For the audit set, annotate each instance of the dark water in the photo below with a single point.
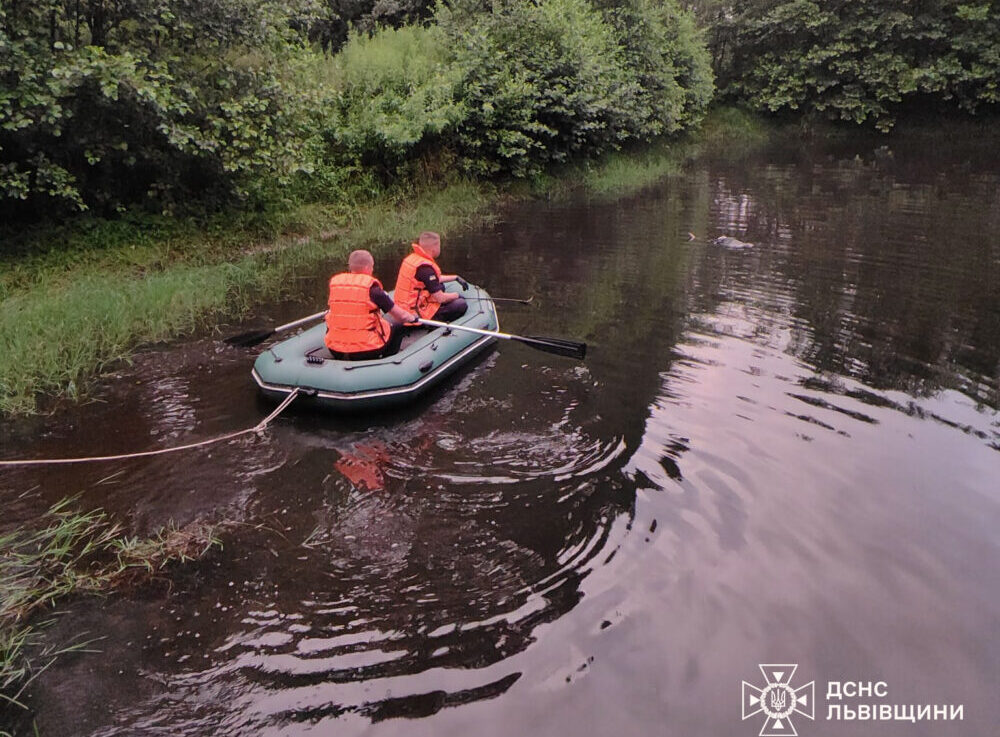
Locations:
(783, 454)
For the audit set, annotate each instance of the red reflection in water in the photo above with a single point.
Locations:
(363, 466)
(365, 463)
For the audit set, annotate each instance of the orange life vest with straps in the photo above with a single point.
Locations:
(354, 323)
(411, 294)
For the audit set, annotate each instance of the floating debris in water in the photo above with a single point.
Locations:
(732, 243)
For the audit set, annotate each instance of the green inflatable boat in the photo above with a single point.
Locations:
(425, 360)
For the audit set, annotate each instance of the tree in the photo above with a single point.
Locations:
(859, 61)
(103, 105)
(334, 24)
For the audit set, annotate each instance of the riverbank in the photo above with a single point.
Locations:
(101, 290)
(67, 314)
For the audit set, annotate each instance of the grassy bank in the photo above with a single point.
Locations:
(71, 553)
(729, 131)
(100, 291)
(67, 313)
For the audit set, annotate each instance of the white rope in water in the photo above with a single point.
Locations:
(145, 453)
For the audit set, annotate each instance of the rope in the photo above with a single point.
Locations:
(145, 453)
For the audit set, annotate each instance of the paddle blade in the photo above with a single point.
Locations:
(252, 338)
(558, 346)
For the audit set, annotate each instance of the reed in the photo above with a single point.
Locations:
(73, 552)
(732, 129)
(624, 173)
(724, 130)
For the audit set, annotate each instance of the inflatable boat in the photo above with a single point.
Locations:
(426, 358)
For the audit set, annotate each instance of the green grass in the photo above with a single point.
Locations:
(73, 552)
(53, 337)
(731, 128)
(617, 174)
(624, 173)
(66, 316)
(75, 300)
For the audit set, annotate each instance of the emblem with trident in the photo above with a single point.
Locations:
(778, 700)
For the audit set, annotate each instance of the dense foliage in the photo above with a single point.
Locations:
(105, 104)
(396, 96)
(164, 103)
(337, 18)
(668, 56)
(513, 87)
(539, 83)
(858, 61)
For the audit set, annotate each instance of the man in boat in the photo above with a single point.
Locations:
(420, 284)
(355, 327)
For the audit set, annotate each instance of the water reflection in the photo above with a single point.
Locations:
(892, 281)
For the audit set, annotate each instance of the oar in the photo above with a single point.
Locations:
(527, 301)
(259, 336)
(558, 346)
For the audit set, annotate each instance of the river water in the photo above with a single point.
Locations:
(781, 454)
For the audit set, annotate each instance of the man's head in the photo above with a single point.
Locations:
(430, 242)
(360, 262)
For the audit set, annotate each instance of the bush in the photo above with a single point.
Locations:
(396, 97)
(860, 62)
(540, 82)
(155, 101)
(172, 104)
(332, 28)
(667, 55)
(516, 86)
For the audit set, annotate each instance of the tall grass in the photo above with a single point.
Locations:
(733, 128)
(52, 337)
(67, 320)
(625, 172)
(73, 552)
(141, 244)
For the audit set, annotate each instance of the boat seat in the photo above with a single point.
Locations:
(410, 338)
(323, 353)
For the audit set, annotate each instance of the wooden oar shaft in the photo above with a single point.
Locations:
(558, 346)
(502, 299)
(439, 324)
(296, 323)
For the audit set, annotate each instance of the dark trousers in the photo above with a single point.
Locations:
(396, 332)
(451, 310)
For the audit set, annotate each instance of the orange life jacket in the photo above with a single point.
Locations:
(411, 293)
(354, 323)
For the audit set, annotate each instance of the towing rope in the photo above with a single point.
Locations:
(142, 454)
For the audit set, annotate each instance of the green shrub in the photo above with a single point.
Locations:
(171, 105)
(540, 82)
(860, 61)
(332, 28)
(395, 97)
(667, 55)
(145, 102)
